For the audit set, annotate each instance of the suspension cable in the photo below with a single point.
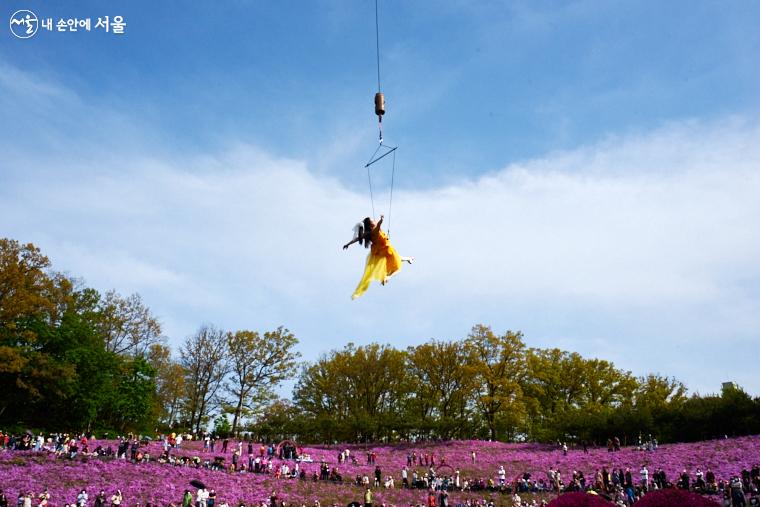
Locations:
(390, 203)
(380, 111)
(371, 197)
(377, 44)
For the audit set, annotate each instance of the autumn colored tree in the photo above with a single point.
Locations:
(25, 289)
(30, 372)
(54, 367)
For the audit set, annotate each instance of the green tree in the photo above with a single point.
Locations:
(280, 420)
(440, 388)
(127, 325)
(222, 426)
(131, 407)
(170, 383)
(656, 392)
(320, 394)
(257, 365)
(363, 387)
(498, 367)
(553, 387)
(75, 342)
(605, 385)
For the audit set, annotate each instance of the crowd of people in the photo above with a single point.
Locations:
(28, 498)
(626, 487)
(423, 471)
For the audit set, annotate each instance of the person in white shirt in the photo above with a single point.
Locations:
(644, 473)
(201, 498)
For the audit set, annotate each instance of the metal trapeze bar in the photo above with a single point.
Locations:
(390, 150)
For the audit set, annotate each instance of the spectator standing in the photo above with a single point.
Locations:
(43, 498)
(737, 494)
(201, 497)
(644, 473)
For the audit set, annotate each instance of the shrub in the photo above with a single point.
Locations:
(577, 499)
(670, 497)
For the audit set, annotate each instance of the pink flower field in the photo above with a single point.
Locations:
(162, 484)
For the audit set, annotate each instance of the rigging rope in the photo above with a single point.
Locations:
(380, 110)
(374, 158)
(369, 178)
(377, 45)
(390, 204)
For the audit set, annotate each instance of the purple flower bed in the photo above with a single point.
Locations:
(164, 483)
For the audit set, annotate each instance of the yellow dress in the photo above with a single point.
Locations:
(382, 261)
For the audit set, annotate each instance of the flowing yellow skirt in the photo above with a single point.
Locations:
(381, 263)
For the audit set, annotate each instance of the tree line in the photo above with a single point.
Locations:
(72, 358)
(492, 386)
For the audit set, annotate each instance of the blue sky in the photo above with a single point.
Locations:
(586, 172)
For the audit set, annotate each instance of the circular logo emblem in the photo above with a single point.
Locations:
(24, 24)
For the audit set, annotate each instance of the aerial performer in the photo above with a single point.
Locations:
(383, 261)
